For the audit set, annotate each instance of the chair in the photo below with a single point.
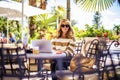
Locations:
(95, 51)
(112, 64)
(1, 66)
(14, 62)
(79, 46)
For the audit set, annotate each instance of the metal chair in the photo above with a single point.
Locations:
(79, 46)
(112, 64)
(14, 62)
(95, 51)
(1, 67)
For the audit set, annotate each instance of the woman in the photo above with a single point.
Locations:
(1, 38)
(12, 38)
(64, 43)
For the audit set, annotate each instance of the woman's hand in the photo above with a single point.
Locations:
(59, 51)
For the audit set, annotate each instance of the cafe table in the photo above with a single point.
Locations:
(42, 56)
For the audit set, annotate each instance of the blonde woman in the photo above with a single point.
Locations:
(64, 42)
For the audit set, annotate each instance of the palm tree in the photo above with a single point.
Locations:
(45, 21)
(97, 20)
(43, 4)
(32, 3)
(95, 5)
(68, 9)
(117, 29)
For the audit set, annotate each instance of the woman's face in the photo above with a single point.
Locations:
(65, 27)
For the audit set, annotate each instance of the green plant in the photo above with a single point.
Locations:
(114, 37)
(98, 32)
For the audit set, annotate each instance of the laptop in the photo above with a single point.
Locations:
(45, 46)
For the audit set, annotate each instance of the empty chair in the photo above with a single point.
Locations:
(1, 66)
(14, 62)
(113, 60)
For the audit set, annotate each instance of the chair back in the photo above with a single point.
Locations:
(79, 46)
(14, 61)
(96, 48)
(112, 63)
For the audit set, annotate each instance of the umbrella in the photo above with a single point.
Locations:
(12, 9)
(15, 10)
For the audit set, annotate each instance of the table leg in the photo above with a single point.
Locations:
(39, 64)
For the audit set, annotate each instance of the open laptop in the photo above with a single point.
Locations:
(45, 46)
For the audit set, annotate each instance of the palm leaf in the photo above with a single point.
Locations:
(95, 5)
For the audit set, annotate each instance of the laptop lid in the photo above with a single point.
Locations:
(45, 46)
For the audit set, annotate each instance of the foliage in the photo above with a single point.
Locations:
(12, 26)
(50, 33)
(48, 22)
(115, 37)
(117, 29)
(3, 24)
(60, 11)
(97, 20)
(90, 31)
(95, 5)
(16, 28)
(45, 21)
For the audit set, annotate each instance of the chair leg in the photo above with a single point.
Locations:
(81, 77)
(46, 75)
(1, 75)
(73, 76)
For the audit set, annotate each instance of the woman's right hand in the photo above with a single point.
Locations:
(59, 51)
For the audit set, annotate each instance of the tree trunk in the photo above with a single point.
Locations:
(32, 3)
(68, 9)
(43, 4)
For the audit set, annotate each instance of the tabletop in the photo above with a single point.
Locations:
(42, 56)
(52, 55)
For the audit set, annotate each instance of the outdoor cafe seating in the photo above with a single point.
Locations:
(101, 70)
(13, 65)
(44, 56)
(13, 62)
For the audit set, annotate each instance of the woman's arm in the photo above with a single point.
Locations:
(70, 50)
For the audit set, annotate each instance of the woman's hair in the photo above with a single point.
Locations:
(70, 33)
(11, 34)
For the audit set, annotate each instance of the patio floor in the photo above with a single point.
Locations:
(34, 68)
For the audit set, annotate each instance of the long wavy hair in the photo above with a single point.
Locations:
(70, 33)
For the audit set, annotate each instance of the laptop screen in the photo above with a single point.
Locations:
(45, 46)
